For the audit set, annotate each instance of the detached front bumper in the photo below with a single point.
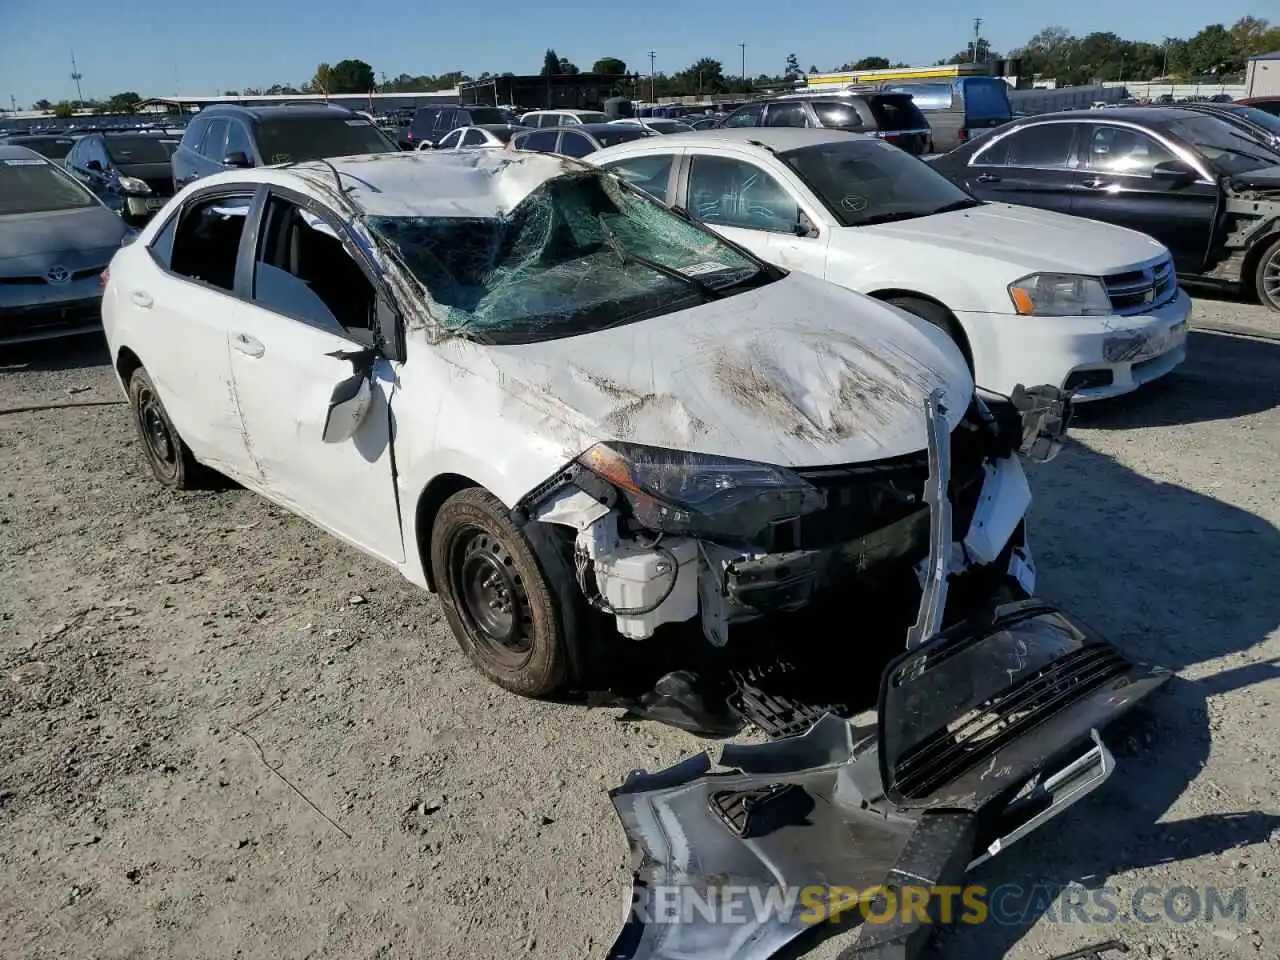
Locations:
(1093, 357)
(985, 733)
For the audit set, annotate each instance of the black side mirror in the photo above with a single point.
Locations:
(1174, 170)
(237, 158)
(802, 227)
(94, 165)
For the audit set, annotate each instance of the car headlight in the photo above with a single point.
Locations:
(672, 491)
(133, 185)
(1060, 295)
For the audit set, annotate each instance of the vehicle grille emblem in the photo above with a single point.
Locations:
(58, 275)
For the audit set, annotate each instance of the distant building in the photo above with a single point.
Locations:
(1262, 77)
(565, 91)
(373, 102)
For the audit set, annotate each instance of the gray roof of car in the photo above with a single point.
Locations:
(773, 138)
(14, 152)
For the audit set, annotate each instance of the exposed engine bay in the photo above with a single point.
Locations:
(928, 538)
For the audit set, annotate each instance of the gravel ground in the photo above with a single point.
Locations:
(223, 733)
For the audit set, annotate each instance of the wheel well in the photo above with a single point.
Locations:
(953, 325)
(439, 490)
(1253, 256)
(126, 363)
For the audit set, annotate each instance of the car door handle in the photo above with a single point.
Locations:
(142, 299)
(249, 346)
(988, 178)
(1093, 183)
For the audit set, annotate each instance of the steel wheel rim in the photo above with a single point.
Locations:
(490, 597)
(161, 444)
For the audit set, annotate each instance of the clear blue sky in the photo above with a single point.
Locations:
(159, 47)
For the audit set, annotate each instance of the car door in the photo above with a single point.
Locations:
(755, 208)
(575, 144)
(181, 311)
(1129, 181)
(1034, 165)
(786, 113)
(542, 141)
(308, 300)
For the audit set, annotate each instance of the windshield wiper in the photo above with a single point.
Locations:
(967, 203)
(893, 217)
(626, 256)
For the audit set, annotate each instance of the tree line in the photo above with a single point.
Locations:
(1217, 51)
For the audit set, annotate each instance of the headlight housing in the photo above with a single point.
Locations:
(1060, 295)
(133, 185)
(671, 491)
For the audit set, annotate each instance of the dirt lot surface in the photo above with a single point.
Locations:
(225, 734)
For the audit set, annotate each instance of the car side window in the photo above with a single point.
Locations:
(161, 248)
(650, 173)
(194, 133)
(733, 193)
(575, 145)
(447, 120)
(786, 115)
(1046, 146)
(450, 140)
(206, 245)
(303, 272)
(1123, 151)
(836, 115)
(745, 117)
(544, 141)
(237, 141)
(215, 136)
(474, 138)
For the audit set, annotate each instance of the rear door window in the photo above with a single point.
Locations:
(207, 244)
(544, 141)
(1045, 146)
(215, 137)
(651, 173)
(575, 145)
(746, 117)
(837, 115)
(238, 140)
(926, 96)
(474, 138)
(786, 114)
(896, 111)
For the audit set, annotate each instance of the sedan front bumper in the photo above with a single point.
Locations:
(1092, 357)
(30, 312)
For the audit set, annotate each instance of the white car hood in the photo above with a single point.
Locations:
(796, 373)
(1026, 239)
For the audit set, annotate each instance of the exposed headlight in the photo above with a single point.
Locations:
(133, 185)
(1060, 295)
(691, 493)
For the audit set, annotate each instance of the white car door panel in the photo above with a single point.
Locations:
(284, 376)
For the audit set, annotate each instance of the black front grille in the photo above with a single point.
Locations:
(1141, 290)
(49, 318)
(29, 281)
(988, 729)
(865, 497)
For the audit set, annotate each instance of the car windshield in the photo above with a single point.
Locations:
(581, 253)
(481, 115)
(864, 182)
(36, 186)
(127, 150)
(1259, 118)
(620, 133)
(297, 139)
(588, 116)
(55, 148)
(1226, 149)
(668, 126)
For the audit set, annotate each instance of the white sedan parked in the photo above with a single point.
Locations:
(534, 389)
(1031, 296)
(478, 137)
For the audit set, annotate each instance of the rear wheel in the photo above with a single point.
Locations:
(939, 316)
(170, 458)
(501, 609)
(1267, 276)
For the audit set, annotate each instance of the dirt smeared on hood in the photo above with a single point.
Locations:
(628, 407)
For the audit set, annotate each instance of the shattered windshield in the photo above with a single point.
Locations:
(580, 254)
(863, 182)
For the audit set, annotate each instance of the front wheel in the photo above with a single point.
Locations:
(170, 458)
(501, 609)
(937, 315)
(1267, 277)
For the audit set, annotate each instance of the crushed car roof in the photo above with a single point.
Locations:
(462, 183)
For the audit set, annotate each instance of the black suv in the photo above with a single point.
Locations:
(892, 116)
(225, 136)
(432, 123)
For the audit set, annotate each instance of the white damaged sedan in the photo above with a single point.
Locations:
(537, 391)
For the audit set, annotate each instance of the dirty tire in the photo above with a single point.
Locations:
(1266, 277)
(169, 457)
(501, 609)
(936, 314)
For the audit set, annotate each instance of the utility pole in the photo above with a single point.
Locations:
(977, 36)
(76, 75)
(652, 96)
(13, 102)
(743, 47)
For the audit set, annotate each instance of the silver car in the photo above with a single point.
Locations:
(56, 238)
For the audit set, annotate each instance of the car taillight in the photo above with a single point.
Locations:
(964, 134)
(105, 276)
